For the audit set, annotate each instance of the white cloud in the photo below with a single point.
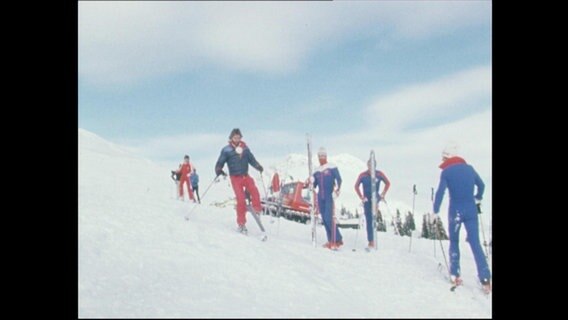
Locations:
(126, 42)
(451, 95)
(420, 19)
(173, 148)
(204, 148)
(413, 157)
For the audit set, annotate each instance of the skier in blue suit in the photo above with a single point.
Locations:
(326, 178)
(460, 178)
(365, 179)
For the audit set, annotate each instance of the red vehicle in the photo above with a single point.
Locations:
(293, 202)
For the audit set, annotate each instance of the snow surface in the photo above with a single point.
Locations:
(138, 257)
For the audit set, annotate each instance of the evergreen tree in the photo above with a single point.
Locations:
(441, 231)
(425, 227)
(381, 226)
(398, 224)
(409, 225)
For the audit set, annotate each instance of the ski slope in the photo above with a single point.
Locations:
(138, 257)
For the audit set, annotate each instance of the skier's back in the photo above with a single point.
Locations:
(460, 178)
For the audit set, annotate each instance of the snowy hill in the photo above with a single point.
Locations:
(138, 257)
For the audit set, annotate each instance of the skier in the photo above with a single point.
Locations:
(326, 177)
(195, 183)
(184, 171)
(365, 179)
(460, 179)
(175, 177)
(238, 156)
(275, 186)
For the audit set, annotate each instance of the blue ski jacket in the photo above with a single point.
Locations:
(238, 164)
(365, 179)
(325, 178)
(459, 178)
(194, 179)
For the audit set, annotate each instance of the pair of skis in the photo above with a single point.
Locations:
(256, 217)
(312, 193)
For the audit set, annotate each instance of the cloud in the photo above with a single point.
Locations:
(413, 157)
(204, 148)
(423, 19)
(173, 148)
(127, 42)
(454, 96)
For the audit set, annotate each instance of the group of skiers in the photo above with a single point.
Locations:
(457, 176)
(187, 175)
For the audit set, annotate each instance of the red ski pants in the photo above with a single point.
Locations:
(185, 180)
(240, 184)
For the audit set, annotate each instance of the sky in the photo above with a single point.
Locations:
(403, 78)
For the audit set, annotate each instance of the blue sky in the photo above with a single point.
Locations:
(402, 77)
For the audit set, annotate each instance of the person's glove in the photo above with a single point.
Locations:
(364, 199)
(478, 204)
(260, 168)
(220, 172)
(337, 193)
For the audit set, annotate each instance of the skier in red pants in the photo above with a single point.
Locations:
(184, 170)
(238, 156)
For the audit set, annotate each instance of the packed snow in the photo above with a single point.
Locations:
(139, 257)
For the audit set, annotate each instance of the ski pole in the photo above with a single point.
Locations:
(374, 191)
(333, 221)
(443, 253)
(390, 214)
(202, 196)
(278, 213)
(280, 208)
(435, 235)
(265, 198)
(262, 182)
(482, 232)
(413, 199)
(312, 192)
(357, 232)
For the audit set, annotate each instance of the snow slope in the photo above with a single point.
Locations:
(139, 258)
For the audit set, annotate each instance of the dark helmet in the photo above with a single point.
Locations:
(234, 132)
(186, 157)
